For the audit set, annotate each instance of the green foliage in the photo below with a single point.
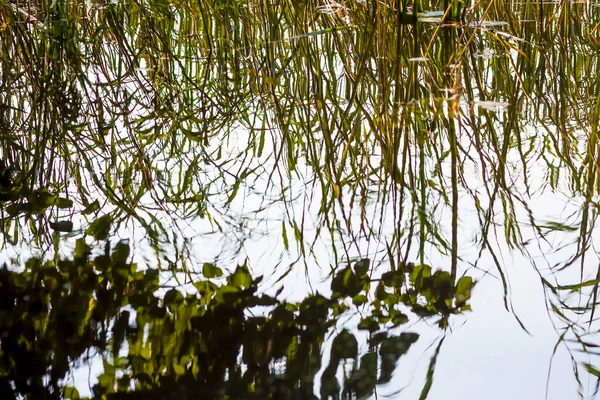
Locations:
(211, 271)
(424, 294)
(56, 312)
(100, 228)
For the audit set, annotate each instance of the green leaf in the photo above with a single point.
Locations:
(178, 369)
(106, 380)
(236, 187)
(286, 244)
(352, 283)
(81, 248)
(205, 288)
(419, 273)
(392, 299)
(380, 292)
(150, 281)
(71, 393)
(359, 299)
(362, 382)
(398, 318)
(592, 370)
(391, 350)
(62, 202)
(227, 294)
(339, 308)
(42, 199)
(346, 283)
(240, 278)
(463, 290)
(92, 207)
(313, 310)
(210, 271)
(120, 254)
(15, 209)
(100, 228)
(574, 288)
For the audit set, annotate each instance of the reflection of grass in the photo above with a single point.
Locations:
(161, 113)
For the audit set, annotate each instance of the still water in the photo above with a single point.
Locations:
(247, 199)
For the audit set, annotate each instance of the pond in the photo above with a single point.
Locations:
(299, 199)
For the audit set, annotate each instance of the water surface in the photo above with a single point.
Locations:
(344, 152)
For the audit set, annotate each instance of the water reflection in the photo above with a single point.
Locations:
(214, 343)
(204, 130)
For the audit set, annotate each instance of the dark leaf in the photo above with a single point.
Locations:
(61, 202)
(368, 324)
(62, 226)
(362, 267)
(344, 346)
(393, 279)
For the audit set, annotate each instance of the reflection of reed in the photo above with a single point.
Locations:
(29, 10)
(198, 105)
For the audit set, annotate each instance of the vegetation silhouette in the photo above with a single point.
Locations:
(221, 340)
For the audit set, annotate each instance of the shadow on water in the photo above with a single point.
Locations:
(350, 130)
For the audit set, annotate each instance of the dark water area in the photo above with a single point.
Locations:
(298, 200)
